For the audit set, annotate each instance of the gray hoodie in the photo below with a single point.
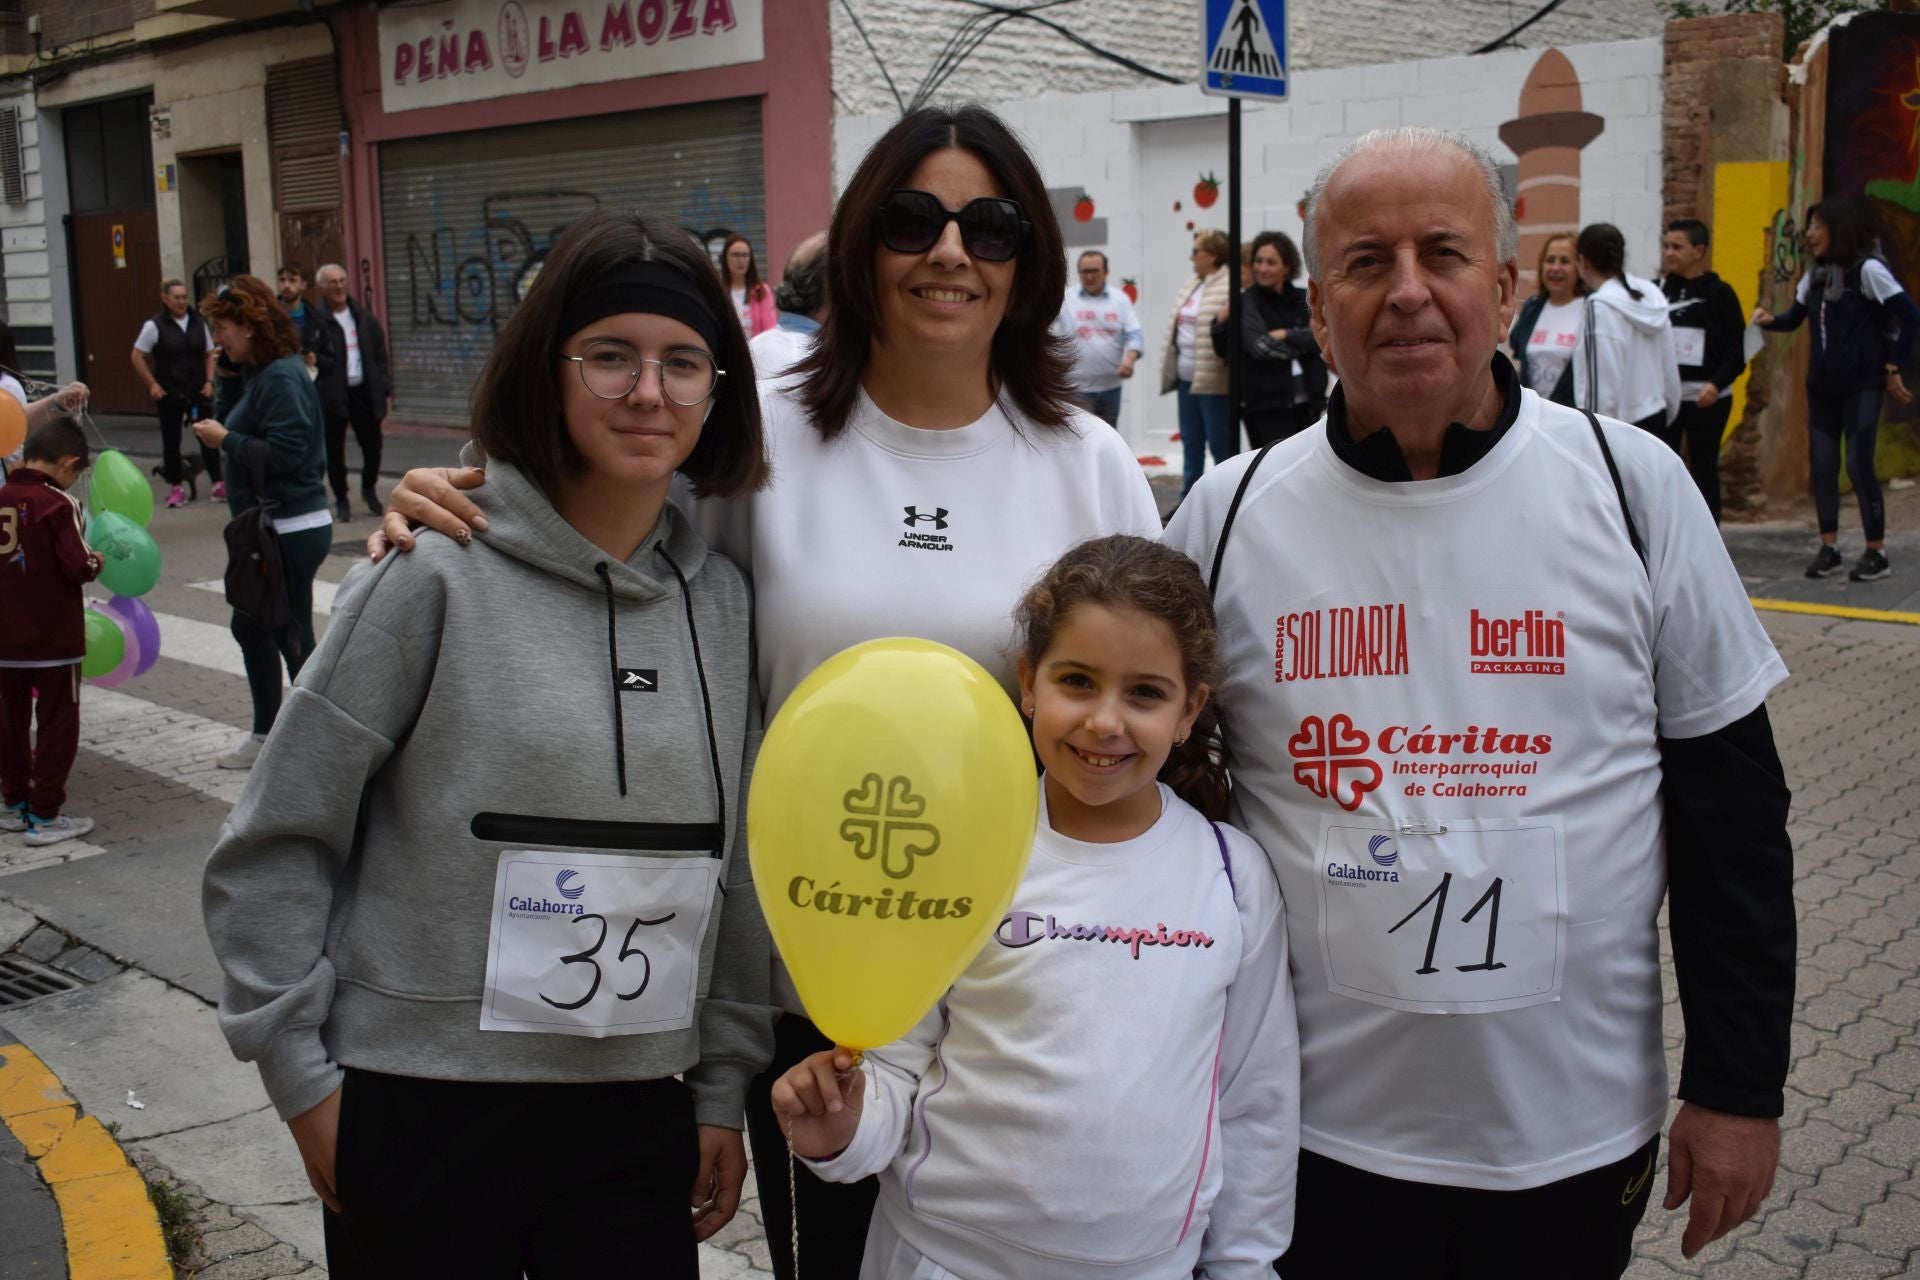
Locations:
(463, 703)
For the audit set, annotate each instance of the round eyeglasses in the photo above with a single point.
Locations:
(610, 372)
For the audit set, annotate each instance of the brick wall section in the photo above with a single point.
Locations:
(71, 22)
(1693, 46)
(1023, 60)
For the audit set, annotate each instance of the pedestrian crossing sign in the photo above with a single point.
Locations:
(1243, 48)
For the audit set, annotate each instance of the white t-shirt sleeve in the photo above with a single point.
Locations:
(1877, 282)
(1712, 660)
(1124, 490)
(209, 338)
(149, 338)
(1251, 1221)
(1801, 291)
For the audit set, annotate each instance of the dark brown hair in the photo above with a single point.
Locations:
(250, 302)
(1605, 250)
(1029, 363)
(56, 439)
(1123, 571)
(516, 403)
(1850, 231)
(1283, 245)
(1540, 267)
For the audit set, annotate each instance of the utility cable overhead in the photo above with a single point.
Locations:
(1507, 39)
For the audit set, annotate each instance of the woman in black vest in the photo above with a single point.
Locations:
(173, 357)
(1285, 388)
(1853, 299)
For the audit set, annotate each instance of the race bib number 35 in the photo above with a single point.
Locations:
(1453, 916)
(596, 944)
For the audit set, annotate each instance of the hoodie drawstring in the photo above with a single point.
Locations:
(613, 664)
(706, 701)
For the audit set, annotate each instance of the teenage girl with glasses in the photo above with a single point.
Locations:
(928, 464)
(484, 908)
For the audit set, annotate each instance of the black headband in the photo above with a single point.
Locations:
(651, 288)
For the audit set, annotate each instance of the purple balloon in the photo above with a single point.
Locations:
(130, 658)
(143, 630)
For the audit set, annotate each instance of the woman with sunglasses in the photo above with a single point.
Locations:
(499, 957)
(928, 465)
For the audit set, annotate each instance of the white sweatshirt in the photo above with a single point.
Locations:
(1111, 1089)
(1625, 366)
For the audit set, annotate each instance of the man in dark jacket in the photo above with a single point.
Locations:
(174, 357)
(316, 335)
(355, 391)
(1708, 338)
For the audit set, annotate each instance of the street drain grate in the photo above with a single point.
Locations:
(21, 981)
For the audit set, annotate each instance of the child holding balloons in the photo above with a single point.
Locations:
(44, 561)
(1113, 1084)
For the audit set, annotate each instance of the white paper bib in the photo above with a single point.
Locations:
(1461, 916)
(596, 944)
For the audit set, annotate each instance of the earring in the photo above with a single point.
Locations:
(1180, 741)
(1027, 712)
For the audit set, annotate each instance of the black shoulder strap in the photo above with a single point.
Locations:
(1233, 509)
(1619, 489)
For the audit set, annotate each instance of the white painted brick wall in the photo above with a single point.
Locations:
(1137, 151)
(1023, 60)
(23, 232)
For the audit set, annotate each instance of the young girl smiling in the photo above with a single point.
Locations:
(1112, 1087)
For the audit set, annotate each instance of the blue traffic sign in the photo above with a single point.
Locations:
(1243, 48)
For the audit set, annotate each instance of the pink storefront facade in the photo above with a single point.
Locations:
(476, 130)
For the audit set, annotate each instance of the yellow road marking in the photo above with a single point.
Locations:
(111, 1229)
(1838, 611)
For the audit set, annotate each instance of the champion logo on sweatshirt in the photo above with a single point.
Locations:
(639, 680)
(1024, 928)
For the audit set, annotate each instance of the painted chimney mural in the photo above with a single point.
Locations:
(1547, 136)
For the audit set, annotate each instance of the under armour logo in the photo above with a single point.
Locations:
(938, 519)
(636, 680)
(883, 824)
(1329, 760)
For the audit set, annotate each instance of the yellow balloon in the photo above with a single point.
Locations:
(892, 811)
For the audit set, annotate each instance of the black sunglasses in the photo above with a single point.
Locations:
(992, 228)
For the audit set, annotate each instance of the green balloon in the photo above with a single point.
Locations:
(131, 560)
(118, 486)
(106, 645)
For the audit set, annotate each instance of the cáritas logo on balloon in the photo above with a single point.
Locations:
(805, 892)
(885, 822)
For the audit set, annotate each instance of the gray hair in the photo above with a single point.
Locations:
(1419, 140)
(803, 289)
(331, 266)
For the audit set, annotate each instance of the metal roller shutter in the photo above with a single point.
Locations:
(469, 218)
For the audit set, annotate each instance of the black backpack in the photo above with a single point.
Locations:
(256, 571)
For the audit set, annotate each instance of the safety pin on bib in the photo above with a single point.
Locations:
(1423, 829)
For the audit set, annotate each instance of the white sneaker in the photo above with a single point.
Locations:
(14, 817)
(244, 751)
(45, 831)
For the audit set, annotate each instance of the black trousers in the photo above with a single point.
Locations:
(1700, 431)
(1349, 1223)
(364, 416)
(175, 409)
(833, 1215)
(493, 1181)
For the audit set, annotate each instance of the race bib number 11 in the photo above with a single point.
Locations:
(596, 944)
(1459, 915)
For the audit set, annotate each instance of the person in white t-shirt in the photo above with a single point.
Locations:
(802, 299)
(1625, 366)
(174, 357)
(1106, 337)
(1132, 900)
(926, 468)
(1548, 327)
(1486, 708)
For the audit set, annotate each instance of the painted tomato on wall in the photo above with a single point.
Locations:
(1206, 191)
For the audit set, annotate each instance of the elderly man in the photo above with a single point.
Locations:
(353, 390)
(1474, 641)
(1106, 338)
(802, 298)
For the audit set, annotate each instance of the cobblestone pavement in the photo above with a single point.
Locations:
(1846, 1201)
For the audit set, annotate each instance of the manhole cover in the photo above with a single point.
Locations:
(22, 980)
